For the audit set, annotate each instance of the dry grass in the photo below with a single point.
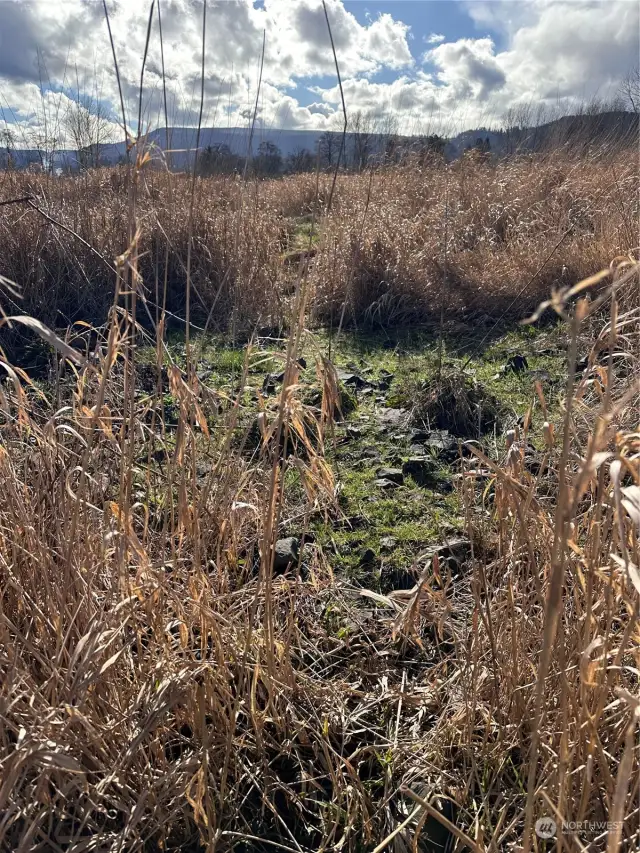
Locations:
(162, 689)
(475, 238)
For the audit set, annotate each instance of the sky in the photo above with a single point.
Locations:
(425, 65)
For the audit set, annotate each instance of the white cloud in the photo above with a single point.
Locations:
(554, 51)
(468, 67)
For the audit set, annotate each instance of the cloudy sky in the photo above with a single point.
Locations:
(446, 64)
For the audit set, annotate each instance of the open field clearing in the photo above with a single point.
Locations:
(306, 542)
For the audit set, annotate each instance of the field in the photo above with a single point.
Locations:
(307, 542)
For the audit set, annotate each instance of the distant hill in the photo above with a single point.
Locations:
(582, 131)
(613, 128)
(182, 142)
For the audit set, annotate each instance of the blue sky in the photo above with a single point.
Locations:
(485, 58)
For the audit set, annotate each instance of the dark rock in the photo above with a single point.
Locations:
(418, 450)
(517, 363)
(395, 475)
(368, 557)
(393, 417)
(268, 385)
(370, 453)
(445, 487)
(454, 553)
(419, 436)
(286, 553)
(302, 363)
(385, 484)
(394, 578)
(352, 380)
(443, 445)
(421, 469)
(354, 432)
(386, 378)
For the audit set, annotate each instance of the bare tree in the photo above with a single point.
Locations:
(387, 129)
(89, 125)
(361, 130)
(629, 90)
(7, 148)
(328, 147)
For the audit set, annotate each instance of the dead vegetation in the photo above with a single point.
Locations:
(477, 239)
(161, 687)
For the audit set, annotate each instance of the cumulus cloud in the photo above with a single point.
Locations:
(469, 67)
(551, 51)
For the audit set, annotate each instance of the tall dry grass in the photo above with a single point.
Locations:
(477, 236)
(161, 689)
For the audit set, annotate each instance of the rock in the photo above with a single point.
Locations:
(388, 543)
(386, 378)
(443, 445)
(268, 385)
(393, 578)
(421, 469)
(368, 557)
(370, 453)
(286, 553)
(385, 484)
(517, 363)
(352, 380)
(514, 364)
(445, 487)
(418, 450)
(393, 417)
(453, 553)
(540, 374)
(302, 362)
(395, 475)
(354, 432)
(419, 436)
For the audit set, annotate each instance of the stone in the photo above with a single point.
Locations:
(286, 553)
(517, 363)
(368, 557)
(443, 445)
(352, 380)
(421, 469)
(395, 475)
(388, 543)
(453, 553)
(370, 453)
(385, 484)
(418, 450)
(386, 378)
(393, 417)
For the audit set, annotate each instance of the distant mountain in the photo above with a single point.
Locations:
(610, 128)
(180, 142)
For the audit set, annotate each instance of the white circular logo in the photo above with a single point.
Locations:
(545, 827)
